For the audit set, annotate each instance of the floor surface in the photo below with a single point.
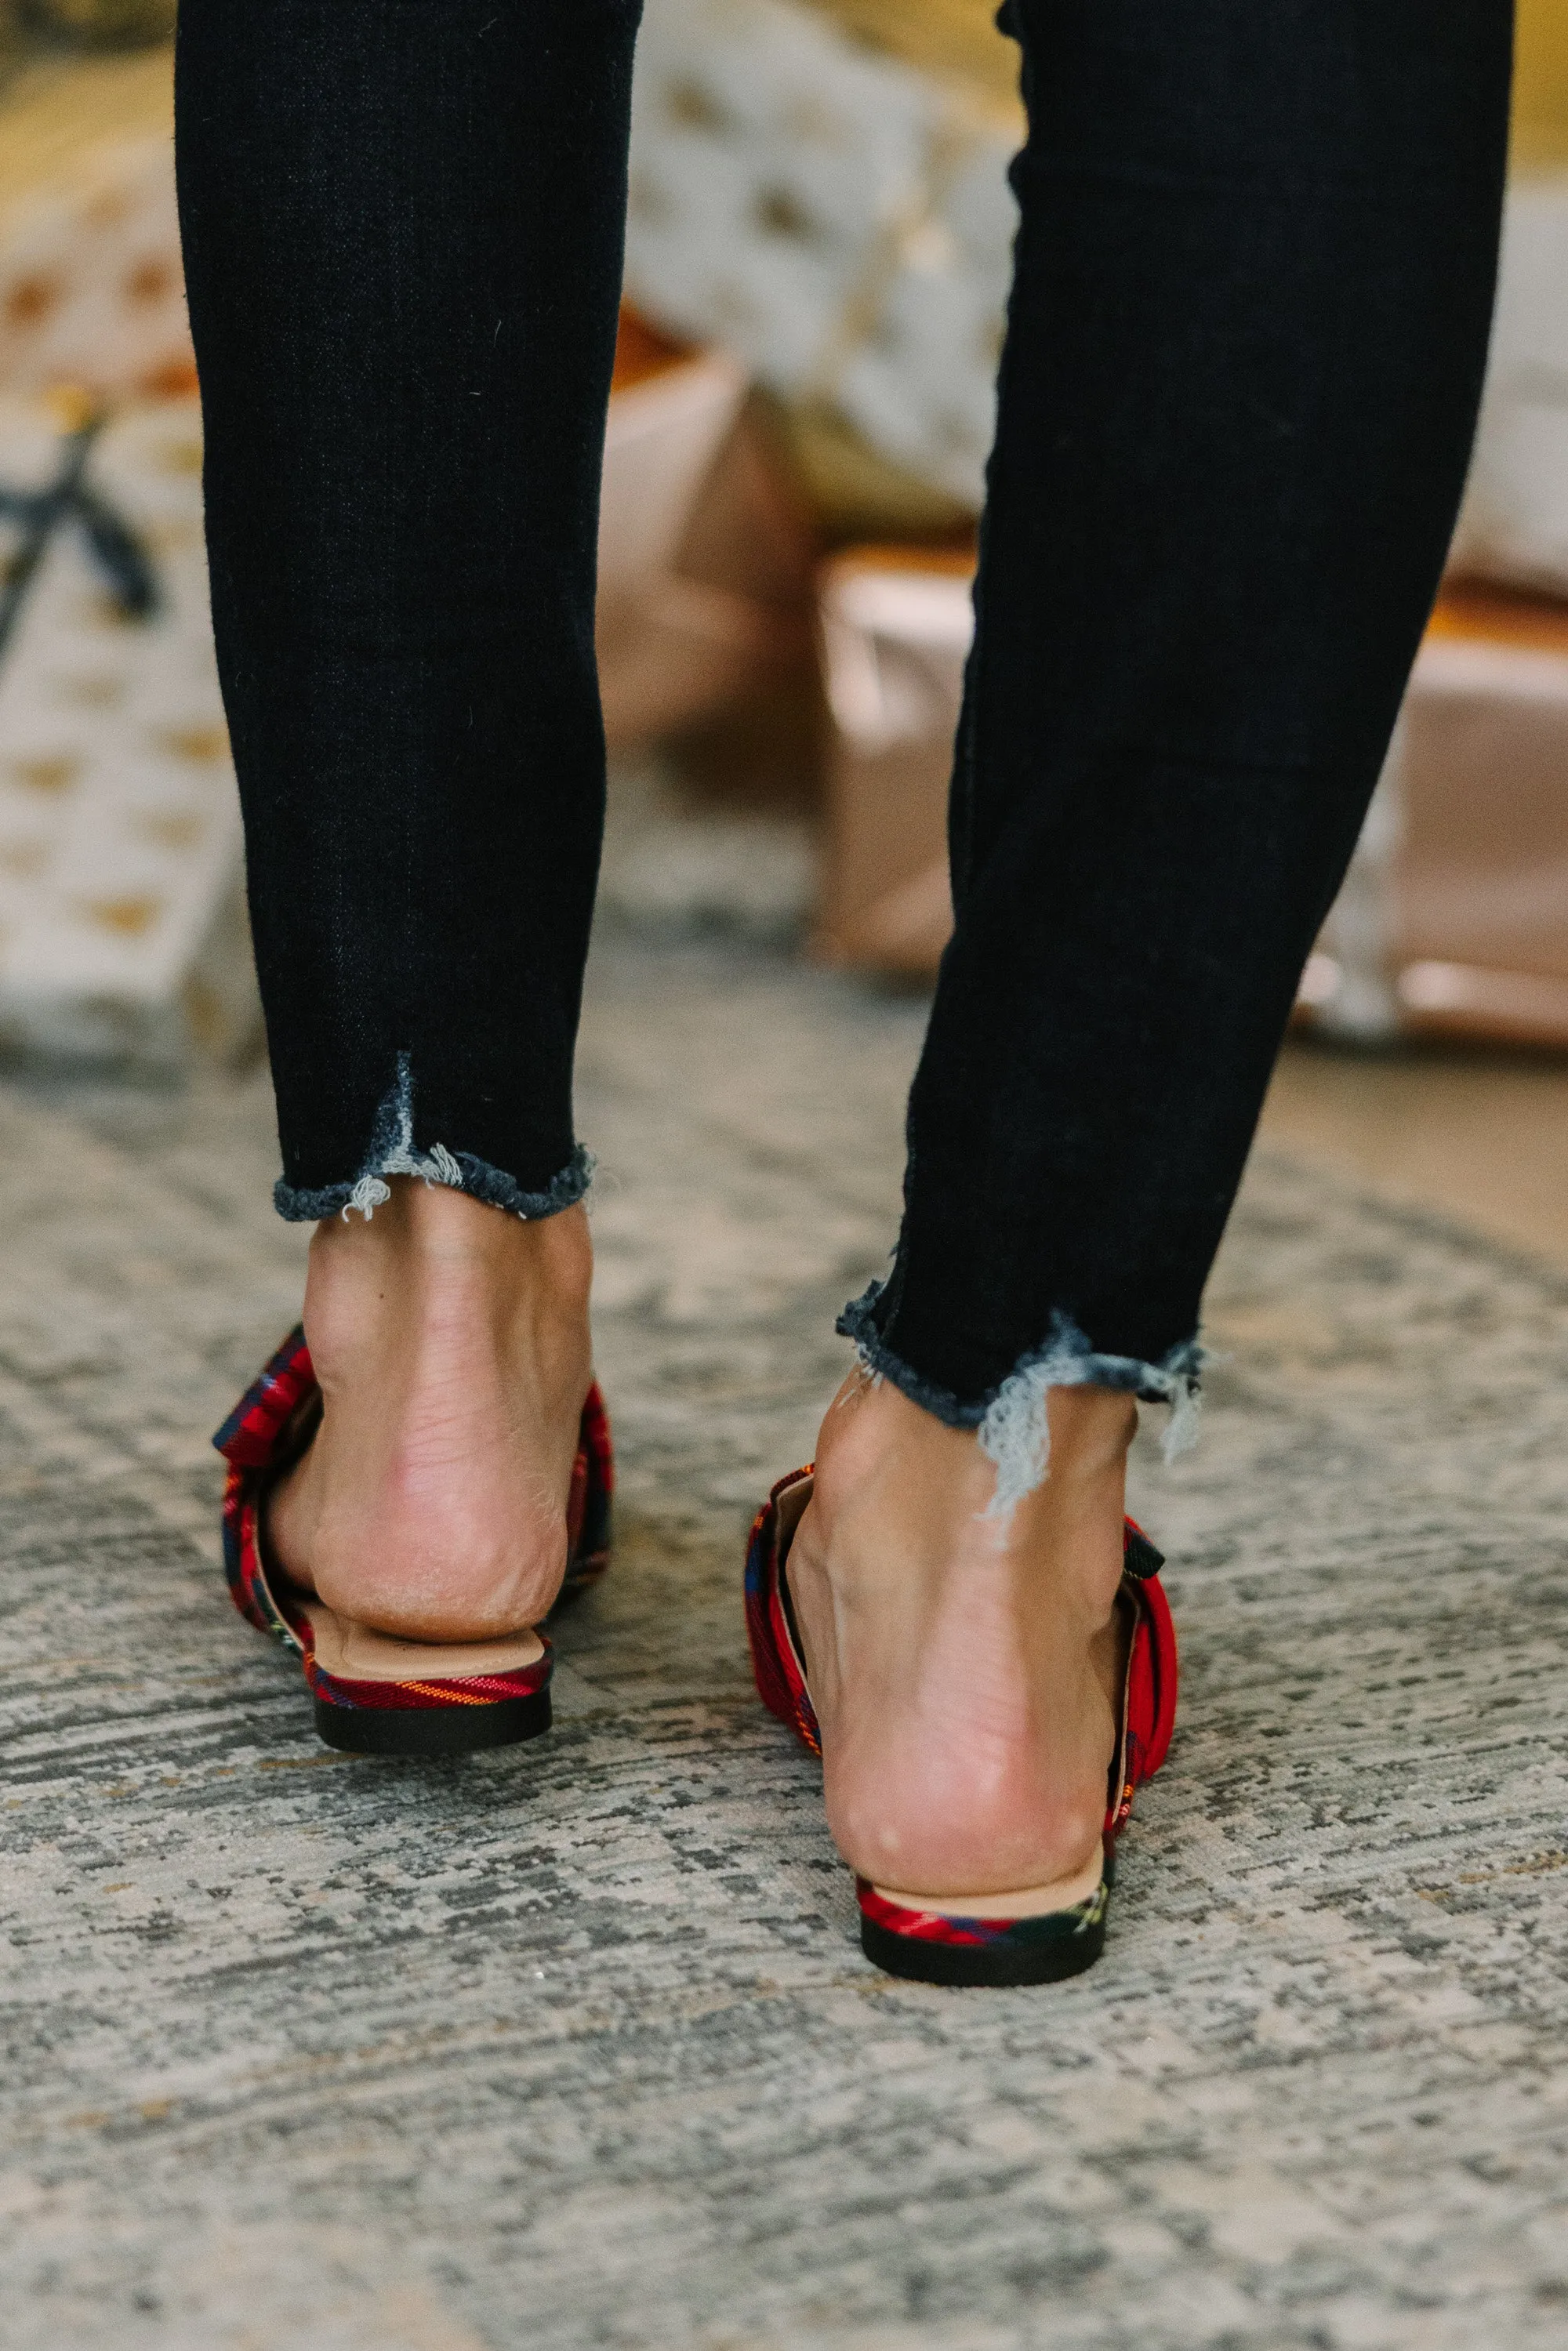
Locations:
(573, 2046)
(1478, 1134)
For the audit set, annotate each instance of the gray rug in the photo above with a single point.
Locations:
(574, 2045)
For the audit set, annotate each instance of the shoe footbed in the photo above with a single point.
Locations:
(356, 1653)
(1030, 1902)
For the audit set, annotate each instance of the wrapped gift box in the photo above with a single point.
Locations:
(1454, 915)
(836, 216)
(820, 186)
(896, 630)
(1514, 526)
(706, 550)
(122, 932)
(122, 928)
(121, 919)
(92, 290)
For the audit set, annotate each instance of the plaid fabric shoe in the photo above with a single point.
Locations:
(959, 1947)
(373, 1694)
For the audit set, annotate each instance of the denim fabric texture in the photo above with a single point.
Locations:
(1253, 287)
(402, 223)
(1245, 349)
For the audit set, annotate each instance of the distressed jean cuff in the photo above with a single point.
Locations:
(1011, 1419)
(392, 1152)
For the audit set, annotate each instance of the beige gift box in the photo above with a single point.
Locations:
(122, 929)
(706, 554)
(1454, 917)
(92, 287)
(896, 630)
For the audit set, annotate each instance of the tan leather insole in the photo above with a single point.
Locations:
(354, 1653)
(1031, 1902)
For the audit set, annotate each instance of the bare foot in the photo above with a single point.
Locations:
(451, 1345)
(966, 1672)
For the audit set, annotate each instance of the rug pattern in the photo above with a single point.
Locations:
(573, 2046)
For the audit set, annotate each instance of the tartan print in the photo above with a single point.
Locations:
(1148, 1717)
(588, 1508)
(250, 1435)
(984, 1933)
(775, 1663)
(260, 1438)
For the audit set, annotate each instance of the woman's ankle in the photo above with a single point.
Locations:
(429, 1253)
(880, 1454)
(451, 1346)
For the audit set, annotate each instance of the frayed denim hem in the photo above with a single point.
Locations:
(1011, 1421)
(392, 1152)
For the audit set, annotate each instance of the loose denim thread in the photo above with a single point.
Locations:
(1015, 1431)
(1013, 1427)
(391, 1153)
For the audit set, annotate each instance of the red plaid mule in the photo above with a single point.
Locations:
(373, 1694)
(952, 1947)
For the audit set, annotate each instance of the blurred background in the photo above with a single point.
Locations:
(817, 262)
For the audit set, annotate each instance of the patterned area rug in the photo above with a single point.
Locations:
(573, 2046)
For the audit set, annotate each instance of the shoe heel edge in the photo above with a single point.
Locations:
(771, 1686)
(991, 1967)
(432, 1730)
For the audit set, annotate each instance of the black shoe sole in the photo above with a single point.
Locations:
(433, 1729)
(978, 1963)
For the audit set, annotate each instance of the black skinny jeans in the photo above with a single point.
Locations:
(1245, 342)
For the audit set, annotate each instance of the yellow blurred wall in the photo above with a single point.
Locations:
(954, 36)
(958, 37)
(1540, 86)
(55, 112)
(58, 107)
